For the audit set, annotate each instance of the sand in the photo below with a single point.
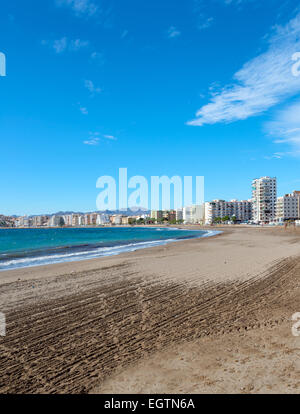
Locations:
(195, 316)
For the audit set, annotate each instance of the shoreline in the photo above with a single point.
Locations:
(88, 251)
(141, 322)
(56, 269)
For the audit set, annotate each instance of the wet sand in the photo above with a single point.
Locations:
(202, 315)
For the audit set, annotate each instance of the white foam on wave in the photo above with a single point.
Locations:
(92, 254)
(78, 256)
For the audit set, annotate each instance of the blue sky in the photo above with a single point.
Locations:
(163, 88)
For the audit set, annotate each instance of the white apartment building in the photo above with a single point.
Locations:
(68, 220)
(102, 219)
(116, 219)
(179, 214)
(77, 220)
(55, 221)
(193, 214)
(89, 219)
(241, 210)
(288, 207)
(23, 222)
(39, 221)
(264, 198)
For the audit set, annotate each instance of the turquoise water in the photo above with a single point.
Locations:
(33, 247)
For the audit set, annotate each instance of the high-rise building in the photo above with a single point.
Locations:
(264, 197)
(288, 207)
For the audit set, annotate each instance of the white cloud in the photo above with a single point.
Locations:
(80, 7)
(173, 32)
(60, 45)
(78, 44)
(91, 87)
(98, 58)
(63, 45)
(94, 138)
(205, 23)
(276, 156)
(285, 128)
(92, 142)
(83, 110)
(260, 84)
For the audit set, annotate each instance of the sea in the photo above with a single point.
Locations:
(21, 248)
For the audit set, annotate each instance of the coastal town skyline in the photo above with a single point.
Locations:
(264, 207)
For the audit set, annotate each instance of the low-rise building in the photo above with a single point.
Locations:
(116, 219)
(56, 221)
(194, 214)
(288, 207)
(68, 220)
(23, 222)
(179, 214)
(102, 219)
(125, 220)
(156, 214)
(219, 209)
(40, 221)
(77, 220)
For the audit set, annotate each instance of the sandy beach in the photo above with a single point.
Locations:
(195, 316)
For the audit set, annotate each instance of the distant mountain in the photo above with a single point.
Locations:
(135, 211)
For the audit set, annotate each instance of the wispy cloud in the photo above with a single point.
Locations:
(98, 58)
(276, 156)
(95, 138)
(60, 45)
(285, 128)
(83, 109)
(80, 7)
(172, 32)
(90, 86)
(64, 44)
(205, 22)
(235, 2)
(78, 44)
(260, 84)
